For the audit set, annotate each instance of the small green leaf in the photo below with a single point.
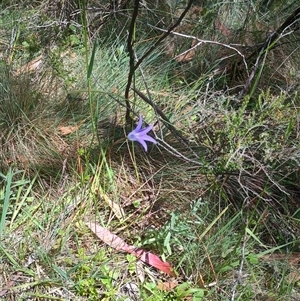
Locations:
(253, 259)
(167, 243)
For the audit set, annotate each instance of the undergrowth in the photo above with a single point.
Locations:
(218, 195)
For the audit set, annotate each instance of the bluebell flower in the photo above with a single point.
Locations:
(140, 135)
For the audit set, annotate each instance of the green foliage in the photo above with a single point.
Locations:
(150, 292)
(14, 193)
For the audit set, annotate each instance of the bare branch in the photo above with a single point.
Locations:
(201, 41)
(167, 33)
(290, 23)
(132, 68)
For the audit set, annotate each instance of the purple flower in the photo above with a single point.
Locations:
(140, 135)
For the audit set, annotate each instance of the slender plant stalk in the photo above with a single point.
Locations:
(130, 43)
(89, 68)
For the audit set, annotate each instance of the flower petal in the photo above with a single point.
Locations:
(140, 135)
(145, 130)
(149, 138)
(139, 125)
(143, 143)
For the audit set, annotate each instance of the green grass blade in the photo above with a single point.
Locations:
(6, 200)
(91, 63)
(22, 199)
(9, 257)
(213, 223)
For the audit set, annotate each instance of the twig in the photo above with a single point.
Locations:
(269, 44)
(132, 68)
(262, 168)
(275, 35)
(147, 88)
(167, 33)
(201, 41)
(240, 271)
(176, 153)
(162, 115)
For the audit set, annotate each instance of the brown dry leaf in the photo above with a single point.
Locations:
(31, 66)
(66, 130)
(120, 245)
(167, 286)
(23, 160)
(294, 276)
(109, 238)
(223, 29)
